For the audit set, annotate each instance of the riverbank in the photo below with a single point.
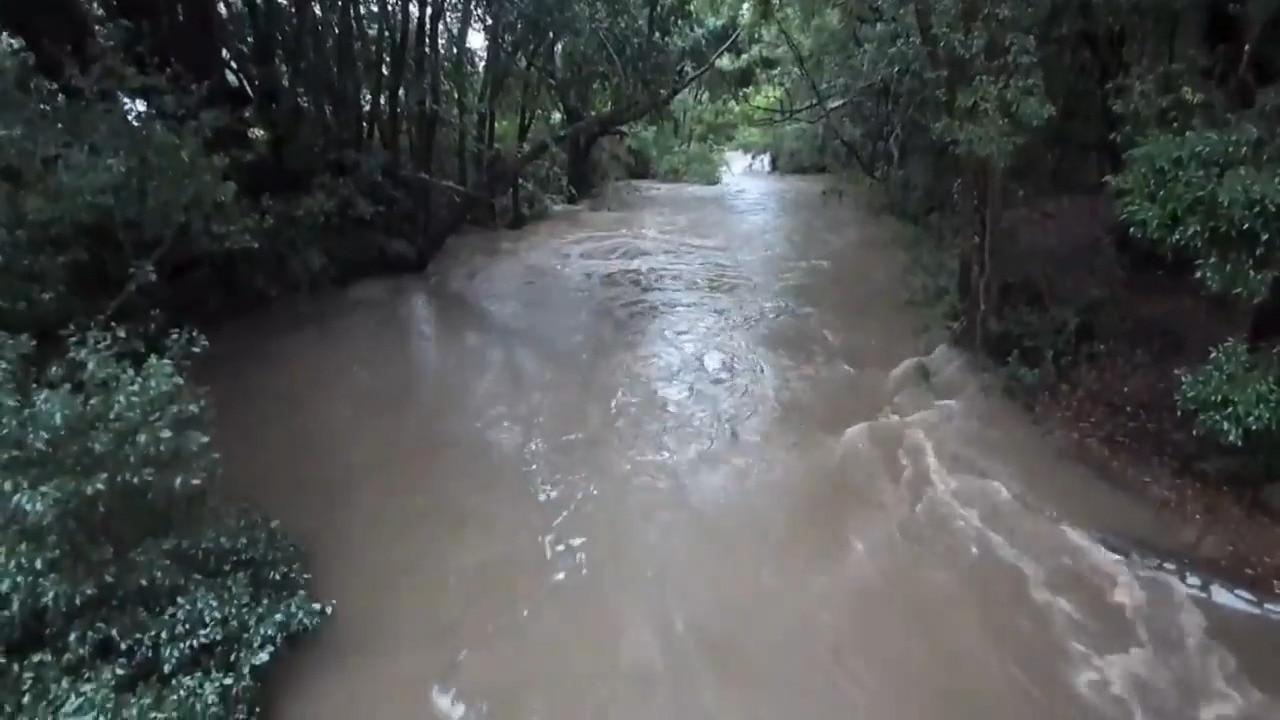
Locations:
(1114, 403)
(1118, 412)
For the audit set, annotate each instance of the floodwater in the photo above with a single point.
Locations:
(688, 458)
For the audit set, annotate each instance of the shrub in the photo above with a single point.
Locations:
(1210, 195)
(95, 194)
(673, 159)
(794, 148)
(131, 591)
(127, 589)
(1235, 396)
(697, 163)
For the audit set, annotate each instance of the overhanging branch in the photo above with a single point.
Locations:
(617, 116)
(798, 56)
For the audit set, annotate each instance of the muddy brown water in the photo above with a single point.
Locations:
(688, 458)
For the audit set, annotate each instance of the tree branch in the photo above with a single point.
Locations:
(616, 116)
(798, 55)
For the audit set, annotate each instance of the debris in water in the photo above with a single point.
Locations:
(446, 706)
(576, 542)
(565, 513)
(714, 362)
(558, 576)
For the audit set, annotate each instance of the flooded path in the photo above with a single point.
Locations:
(675, 461)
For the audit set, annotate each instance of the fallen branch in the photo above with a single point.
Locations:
(140, 275)
(454, 187)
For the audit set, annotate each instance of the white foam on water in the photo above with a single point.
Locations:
(446, 705)
(1170, 667)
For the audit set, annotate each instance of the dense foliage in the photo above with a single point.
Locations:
(130, 591)
(685, 144)
(1075, 158)
(163, 164)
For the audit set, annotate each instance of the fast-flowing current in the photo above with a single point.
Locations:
(684, 456)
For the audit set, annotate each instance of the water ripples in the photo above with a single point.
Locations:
(662, 461)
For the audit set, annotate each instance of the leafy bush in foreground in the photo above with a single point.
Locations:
(129, 590)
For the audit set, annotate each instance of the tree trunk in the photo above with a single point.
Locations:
(460, 92)
(578, 168)
(391, 141)
(523, 125)
(374, 123)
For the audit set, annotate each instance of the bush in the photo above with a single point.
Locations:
(131, 591)
(1235, 396)
(94, 196)
(697, 163)
(795, 149)
(672, 159)
(1210, 195)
